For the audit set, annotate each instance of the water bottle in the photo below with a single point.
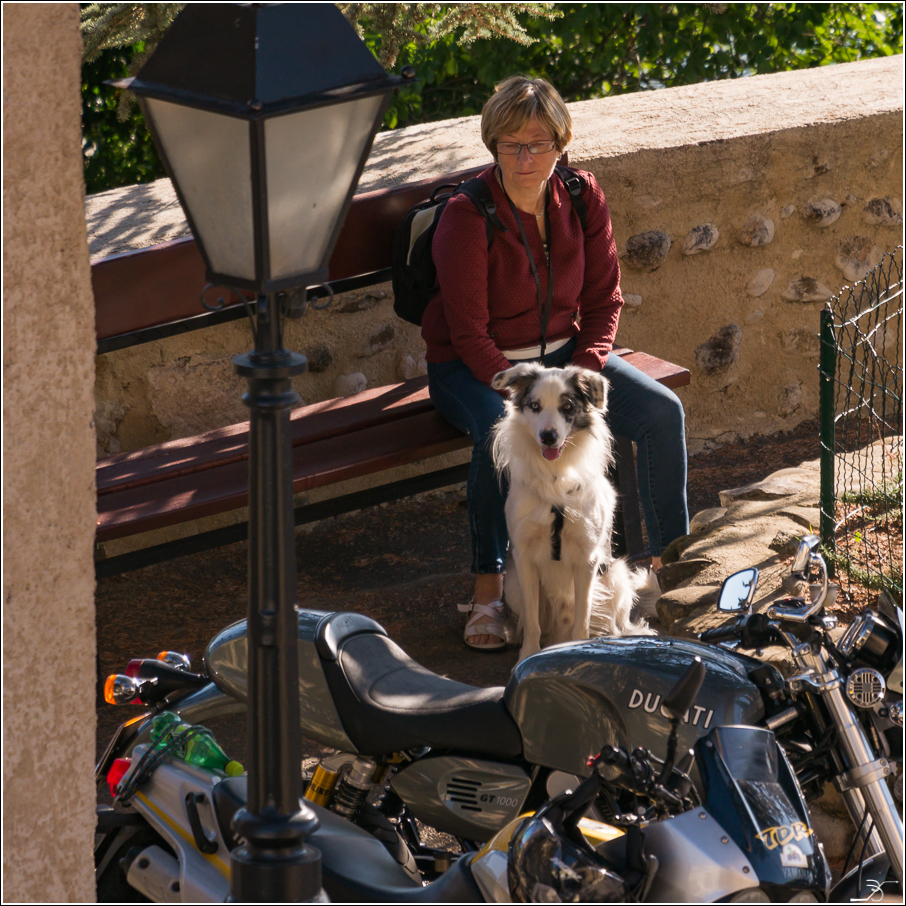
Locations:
(201, 749)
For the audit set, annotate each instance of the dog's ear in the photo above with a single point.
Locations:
(515, 379)
(592, 386)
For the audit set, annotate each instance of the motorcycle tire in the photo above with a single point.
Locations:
(378, 825)
(109, 851)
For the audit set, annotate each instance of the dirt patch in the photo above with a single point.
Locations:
(747, 461)
(869, 555)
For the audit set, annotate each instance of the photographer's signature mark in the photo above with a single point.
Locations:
(875, 895)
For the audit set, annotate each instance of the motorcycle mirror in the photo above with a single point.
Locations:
(676, 704)
(681, 697)
(738, 590)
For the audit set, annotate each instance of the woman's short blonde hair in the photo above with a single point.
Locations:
(517, 100)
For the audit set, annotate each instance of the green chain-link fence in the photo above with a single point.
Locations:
(861, 375)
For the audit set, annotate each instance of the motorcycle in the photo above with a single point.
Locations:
(840, 717)
(468, 762)
(661, 843)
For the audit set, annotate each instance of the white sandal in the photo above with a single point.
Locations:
(486, 619)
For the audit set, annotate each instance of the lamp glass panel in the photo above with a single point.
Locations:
(312, 160)
(209, 156)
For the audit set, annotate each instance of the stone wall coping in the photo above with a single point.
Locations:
(141, 216)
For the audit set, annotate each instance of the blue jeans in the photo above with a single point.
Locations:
(638, 408)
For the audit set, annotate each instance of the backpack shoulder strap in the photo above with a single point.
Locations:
(574, 184)
(479, 193)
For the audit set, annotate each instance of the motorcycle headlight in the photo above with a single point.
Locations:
(753, 895)
(806, 896)
(869, 640)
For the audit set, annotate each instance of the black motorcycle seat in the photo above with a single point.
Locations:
(388, 703)
(355, 866)
(335, 628)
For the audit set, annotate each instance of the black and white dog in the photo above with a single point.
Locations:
(562, 581)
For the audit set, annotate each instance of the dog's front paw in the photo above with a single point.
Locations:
(528, 650)
(580, 632)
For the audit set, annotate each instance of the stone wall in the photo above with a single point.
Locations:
(739, 207)
(48, 457)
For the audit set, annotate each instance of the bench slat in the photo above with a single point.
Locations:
(222, 446)
(666, 373)
(151, 287)
(225, 487)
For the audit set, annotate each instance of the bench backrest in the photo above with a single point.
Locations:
(156, 292)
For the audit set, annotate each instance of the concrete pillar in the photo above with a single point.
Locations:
(48, 458)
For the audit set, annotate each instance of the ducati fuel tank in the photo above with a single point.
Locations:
(226, 659)
(569, 700)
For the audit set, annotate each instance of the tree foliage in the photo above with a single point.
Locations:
(117, 150)
(106, 26)
(392, 26)
(597, 49)
(118, 37)
(587, 50)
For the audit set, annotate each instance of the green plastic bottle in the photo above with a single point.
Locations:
(163, 723)
(201, 749)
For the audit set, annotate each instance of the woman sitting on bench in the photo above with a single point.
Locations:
(546, 280)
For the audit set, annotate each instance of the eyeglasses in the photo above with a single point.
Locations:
(533, 147)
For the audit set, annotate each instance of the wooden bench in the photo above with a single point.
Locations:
(147, 295)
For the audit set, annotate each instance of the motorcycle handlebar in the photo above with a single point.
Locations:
(618, 758)
(723, 633)
(683, 694)
(635, 767)
(752, 630)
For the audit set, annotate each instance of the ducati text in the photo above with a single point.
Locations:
(696, 715)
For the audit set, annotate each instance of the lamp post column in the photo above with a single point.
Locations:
(275, 864)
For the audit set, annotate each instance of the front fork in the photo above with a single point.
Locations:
(863, 784)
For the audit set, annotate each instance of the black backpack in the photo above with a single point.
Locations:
(413, 272)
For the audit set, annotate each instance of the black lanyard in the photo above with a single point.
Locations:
(544, 307)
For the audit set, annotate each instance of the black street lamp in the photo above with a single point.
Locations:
(263, 115)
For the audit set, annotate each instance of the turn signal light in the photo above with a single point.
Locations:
(148, 681)
(175, 659)
(121, 690)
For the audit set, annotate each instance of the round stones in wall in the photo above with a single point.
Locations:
(646, 251)
(760, 282)
(758, 230)
(719, 352)
(822, 212)
(700, 239)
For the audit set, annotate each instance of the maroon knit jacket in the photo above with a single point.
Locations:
(488, 300)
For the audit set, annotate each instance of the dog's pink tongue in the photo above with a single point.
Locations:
(550, 453)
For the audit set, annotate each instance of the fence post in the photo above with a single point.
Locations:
(827, 370)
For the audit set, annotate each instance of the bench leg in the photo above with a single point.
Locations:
(628, 530)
